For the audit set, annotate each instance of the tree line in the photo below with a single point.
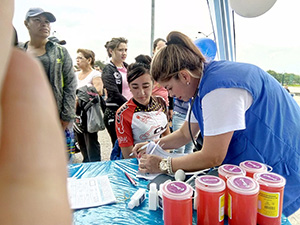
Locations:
(289, 79)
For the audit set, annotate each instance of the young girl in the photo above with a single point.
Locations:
(143, 117)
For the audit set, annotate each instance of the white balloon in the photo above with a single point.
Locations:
(251, 8)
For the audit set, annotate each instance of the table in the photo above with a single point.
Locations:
(118, 213)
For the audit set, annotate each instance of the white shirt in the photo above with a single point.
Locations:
(224, 110)
(88, 80)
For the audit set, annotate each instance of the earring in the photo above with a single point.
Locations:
(188, 83)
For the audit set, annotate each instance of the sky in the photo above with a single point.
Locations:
(270, 41)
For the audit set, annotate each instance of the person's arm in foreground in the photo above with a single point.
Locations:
(33, 168)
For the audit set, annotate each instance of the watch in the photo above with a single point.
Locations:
(163, 165)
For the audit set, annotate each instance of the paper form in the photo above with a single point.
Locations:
(90, 192)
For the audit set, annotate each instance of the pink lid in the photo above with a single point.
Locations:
(228, 170)
(177, 190)
(253, 166)
(270, 179)
(210, 183)
(243, 185)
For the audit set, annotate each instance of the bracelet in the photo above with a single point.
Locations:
(169, 164)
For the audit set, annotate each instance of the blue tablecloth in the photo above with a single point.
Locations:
(118, 213)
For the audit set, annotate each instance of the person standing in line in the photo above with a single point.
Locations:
(158, 90)
(33, 189)
(57, 64)
(143, 117)
(114, 78)
(87, 76)
(242, 111)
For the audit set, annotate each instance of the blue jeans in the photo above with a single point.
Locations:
(177, 121)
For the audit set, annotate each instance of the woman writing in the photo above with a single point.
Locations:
(143, 117)
(88, 142)
(242, 112)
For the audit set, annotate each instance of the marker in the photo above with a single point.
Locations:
(132, 181)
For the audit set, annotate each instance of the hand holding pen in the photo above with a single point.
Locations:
(140, 149)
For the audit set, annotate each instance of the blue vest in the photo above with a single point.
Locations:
(272, 134)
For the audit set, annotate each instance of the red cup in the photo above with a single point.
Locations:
(252, 167)
(177, 203)
(242, 200)
(270, 198)
(228, 170)
(210, 200)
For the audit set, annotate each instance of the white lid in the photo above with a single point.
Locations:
(254, 166)
(210, 183)
(243, 185)
(228, 170)
(177, 190)
(270, 179)
(153, 187)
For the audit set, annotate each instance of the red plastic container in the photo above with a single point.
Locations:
(242, 200)
(228, 170)
(210, 200)
(252, 167)
(270, 198)
(177, 203)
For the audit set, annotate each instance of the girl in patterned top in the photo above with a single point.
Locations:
(143, 117)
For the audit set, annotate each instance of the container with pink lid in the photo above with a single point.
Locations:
(242, 200)
(270, 198)
(228, 170)
(210, 200)
(177, 203)
(251, 167)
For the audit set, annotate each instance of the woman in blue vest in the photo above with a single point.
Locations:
(242, 112)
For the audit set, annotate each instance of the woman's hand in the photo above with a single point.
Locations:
(138, 150)
(149, 164)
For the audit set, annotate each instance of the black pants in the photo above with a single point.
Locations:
(109, 120)
(89, 146)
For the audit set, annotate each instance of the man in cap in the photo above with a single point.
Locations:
(56, 62)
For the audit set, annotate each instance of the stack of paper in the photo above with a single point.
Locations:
(155, 149)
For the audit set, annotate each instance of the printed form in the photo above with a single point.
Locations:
(90, 192)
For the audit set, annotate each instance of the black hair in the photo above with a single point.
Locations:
(139, 68)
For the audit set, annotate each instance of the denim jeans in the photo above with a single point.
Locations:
(177, 121)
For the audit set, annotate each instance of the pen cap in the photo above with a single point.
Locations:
(131, 204)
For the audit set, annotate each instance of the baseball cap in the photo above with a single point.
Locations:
(32, 12)
(55, 39)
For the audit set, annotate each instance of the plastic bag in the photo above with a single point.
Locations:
(95, 121)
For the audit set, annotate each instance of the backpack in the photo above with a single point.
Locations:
(89, 116)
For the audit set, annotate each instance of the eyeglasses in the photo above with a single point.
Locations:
(80, 58)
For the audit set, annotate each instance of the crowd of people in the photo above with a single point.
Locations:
(240, 111)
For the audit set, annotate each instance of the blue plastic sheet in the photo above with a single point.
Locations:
(118, 213)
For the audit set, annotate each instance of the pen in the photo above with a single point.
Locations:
(132, 181)
(141, 148)
(152, 150)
